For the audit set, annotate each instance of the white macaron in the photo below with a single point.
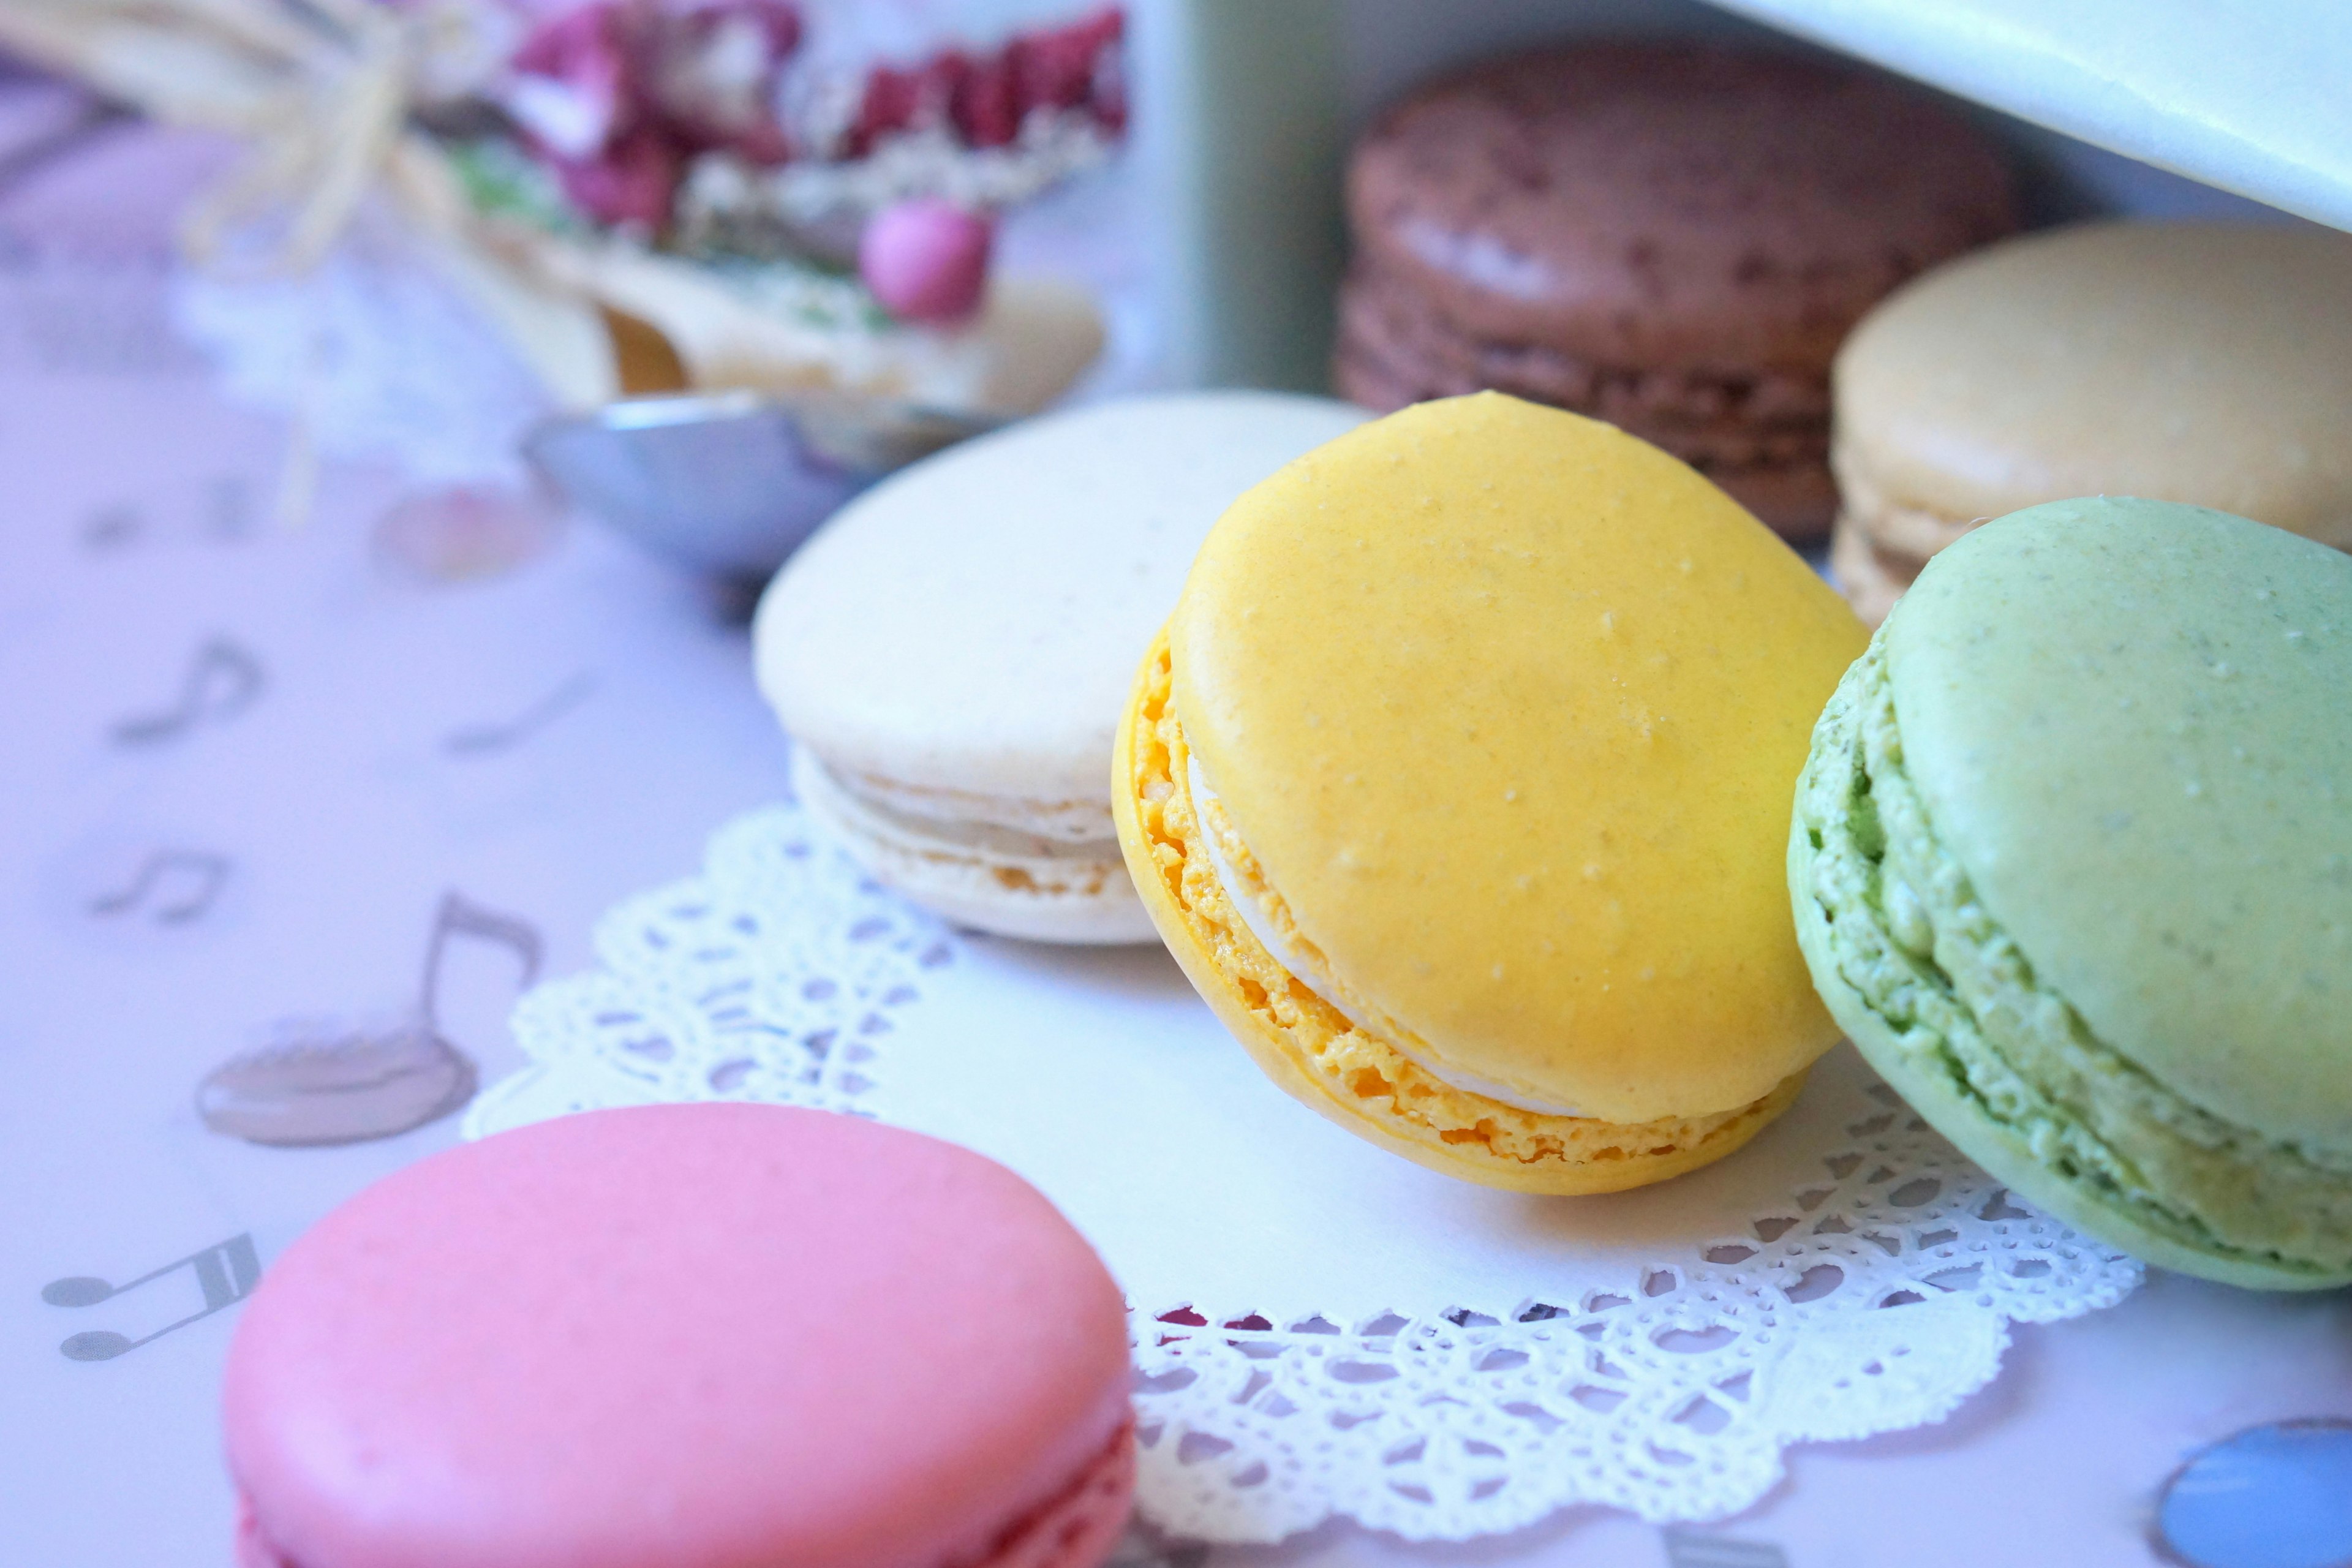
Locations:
(951, 652)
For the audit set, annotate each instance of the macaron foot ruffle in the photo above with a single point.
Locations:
(250, 1547)
(1323, 1058)
(1078, 1528)
(988, 878)
(1940, 998)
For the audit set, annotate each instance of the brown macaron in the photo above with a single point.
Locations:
(1673, 237)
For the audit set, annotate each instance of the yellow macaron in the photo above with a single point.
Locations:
(1459, 784)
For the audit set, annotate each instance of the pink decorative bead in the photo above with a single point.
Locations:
(926, 260)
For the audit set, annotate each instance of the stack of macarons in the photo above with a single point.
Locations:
(1460, 783)
(1670, 236)
(1458, 786)
(2207, 363)
(1517, 801)
(1513, 795)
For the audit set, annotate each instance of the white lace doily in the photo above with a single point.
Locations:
(1322, 1329)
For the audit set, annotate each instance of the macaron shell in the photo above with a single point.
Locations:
(1313, 1053)
(2207, 363)
(1509, 705)
(707, 1336)
(970, 624)
(1930, 1089)
(1641, 204)
(1762, 434)
(2185, 720)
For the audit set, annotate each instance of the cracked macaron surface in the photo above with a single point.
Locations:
(1491, 711)
(2071, 859)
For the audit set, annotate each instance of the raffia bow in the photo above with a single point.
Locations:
(322, 93)
(327, 97)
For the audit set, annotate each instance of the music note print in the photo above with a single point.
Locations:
(223, 513)
(228, 510)
(222, 682)
(174, 886)
(488, 740)
(114, 527)
(330, 1085)
(225, 1274)
(460, 916)
(1692, 1548)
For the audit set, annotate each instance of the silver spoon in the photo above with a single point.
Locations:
(730, 483)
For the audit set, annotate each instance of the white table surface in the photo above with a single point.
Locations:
(133, 529)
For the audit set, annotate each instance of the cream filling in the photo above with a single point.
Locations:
(1247, 904)
(975, 838)
(1087, 822)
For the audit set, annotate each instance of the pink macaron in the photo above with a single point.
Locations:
(697, 1336)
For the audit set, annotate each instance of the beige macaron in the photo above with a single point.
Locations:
(2209, 363)
(951, 653)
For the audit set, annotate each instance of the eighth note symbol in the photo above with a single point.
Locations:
(111, 528)
(344, 1086)
(184, 883)
(1693, 1549)
(486, 740)
(225, 1272)
(223, 681)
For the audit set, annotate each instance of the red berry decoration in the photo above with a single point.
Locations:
(982, 100)
(926, 260)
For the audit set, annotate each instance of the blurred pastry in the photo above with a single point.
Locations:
(1456, 785)
(2071, 862)
(2209, 364)
(1673, 237)
(807, 332)
(950, 654)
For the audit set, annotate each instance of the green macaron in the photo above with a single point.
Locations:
(2072, 863)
